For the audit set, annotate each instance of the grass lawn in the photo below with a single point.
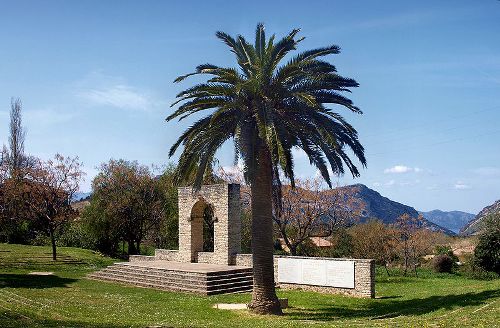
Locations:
(67, 299)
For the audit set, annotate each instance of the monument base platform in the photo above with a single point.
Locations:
(199, 278)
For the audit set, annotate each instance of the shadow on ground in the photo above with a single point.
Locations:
(8, 280)
(11, 319)
(389, 308)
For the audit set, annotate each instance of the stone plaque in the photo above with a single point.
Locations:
(340, 274)
(313, 272)
(289, 271)
(316, 272)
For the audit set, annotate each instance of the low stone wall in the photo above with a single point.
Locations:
(364, 276)
(243, 260)
(140, 258)
(205, 257)
(166, 254)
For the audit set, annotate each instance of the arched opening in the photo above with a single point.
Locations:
(202, 227)
(208, 229)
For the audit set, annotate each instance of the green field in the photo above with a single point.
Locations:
(67, 299)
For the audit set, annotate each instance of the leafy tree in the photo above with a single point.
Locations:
(487, 251)
(268, 108)
(166, 234)
(342, 244)
(128, 202)
(101, 230)
(44, 194)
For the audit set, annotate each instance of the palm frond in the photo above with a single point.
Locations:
(264, 103)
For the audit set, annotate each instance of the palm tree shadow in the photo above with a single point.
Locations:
(33, 281)
(394, 308)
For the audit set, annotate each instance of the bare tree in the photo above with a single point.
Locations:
(375, 240)
(16, 139)
(407, 230)
(309, 210)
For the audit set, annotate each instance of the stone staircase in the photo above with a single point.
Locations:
(205, 282)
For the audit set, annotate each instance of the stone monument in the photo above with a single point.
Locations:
(225, 269)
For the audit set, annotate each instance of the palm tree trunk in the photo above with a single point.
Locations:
(264, 299)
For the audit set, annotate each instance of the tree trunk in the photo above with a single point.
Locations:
(131, 247)
(53, 242)
(264, 299)
(406, 258)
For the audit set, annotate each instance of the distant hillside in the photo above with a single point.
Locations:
(386, 210)
(453, 220)
(78, 196)
(474, 226)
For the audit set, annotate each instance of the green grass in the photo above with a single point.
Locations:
(67, 299)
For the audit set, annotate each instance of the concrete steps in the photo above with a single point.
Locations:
(206, 283)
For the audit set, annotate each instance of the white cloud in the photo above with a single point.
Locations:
(390, 183)
(99, 89)
(119, 96)
(377, 184)
(459, 185)
(401, 169)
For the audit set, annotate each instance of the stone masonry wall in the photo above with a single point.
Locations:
(166, 254)
(140, 258)
(205, 257)
(225, 201)
(364, 277)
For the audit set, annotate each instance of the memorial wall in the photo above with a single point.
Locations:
(328, 273)
(355, 277)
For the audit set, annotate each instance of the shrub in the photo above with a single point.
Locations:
(75, 235)
(471, 270)
(446, 250)
(40, 240)
(487, 252)
(443, 263)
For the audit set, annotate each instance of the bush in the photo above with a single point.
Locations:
(471, 270)
(487, 252)
(443, 263)
(75, 235)
(446, 250)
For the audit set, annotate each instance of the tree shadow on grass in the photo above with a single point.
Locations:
(33, 281)
(14, 319)
(383, 309)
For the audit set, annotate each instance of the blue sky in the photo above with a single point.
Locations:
(95, 78)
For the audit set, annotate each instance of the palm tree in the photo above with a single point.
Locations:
(268, 109)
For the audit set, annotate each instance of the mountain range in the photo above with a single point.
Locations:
(387, 210)
(474, 226)
(453, 220)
